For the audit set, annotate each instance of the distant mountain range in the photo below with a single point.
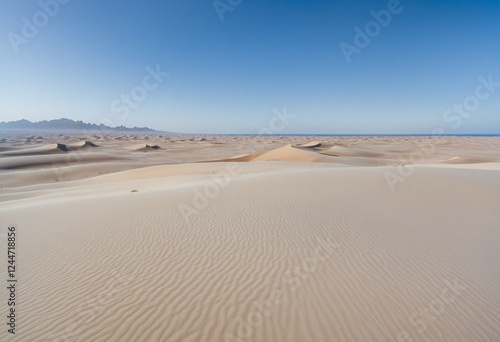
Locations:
(67, 124)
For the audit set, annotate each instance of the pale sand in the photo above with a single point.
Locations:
(303, 239)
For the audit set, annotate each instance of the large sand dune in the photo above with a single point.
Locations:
(281, 246)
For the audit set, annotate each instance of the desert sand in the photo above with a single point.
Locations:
(125, 237)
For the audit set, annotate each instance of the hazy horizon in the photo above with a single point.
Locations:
(263, 133)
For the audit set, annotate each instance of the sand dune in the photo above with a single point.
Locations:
(77, 146)
(50, 149)
(144, 148)
(54, 160)
(311, 144)
(285, 153)
(281, 243)
(470, 160)
(318, 153)
(495, 166)
(335, 268)
(289, 153)
(45, 149)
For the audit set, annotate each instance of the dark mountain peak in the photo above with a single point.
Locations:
(67, 124)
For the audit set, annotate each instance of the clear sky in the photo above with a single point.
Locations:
(77, 58)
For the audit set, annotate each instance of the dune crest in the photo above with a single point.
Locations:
(76, 146)
(50, 149)
(470, 160)
(285, 153)
(145, 148)
(311, 144)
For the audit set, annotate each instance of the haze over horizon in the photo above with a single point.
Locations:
(198, 73)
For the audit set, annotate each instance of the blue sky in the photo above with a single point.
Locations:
(229, 76)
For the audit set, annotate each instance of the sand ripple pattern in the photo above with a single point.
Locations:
(312, 254)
